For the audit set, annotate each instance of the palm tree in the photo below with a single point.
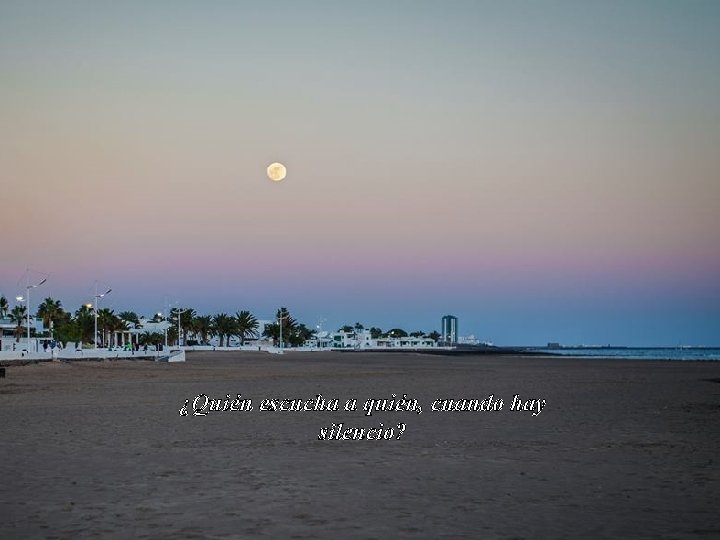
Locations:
(151, 338)
(299, 335)
(50, 311)
(18, 315)
(130, 321)
(287, 324)
(224, 325)
(187, 322)
(4, 307)
(284, 315)
(293, 333)
(107, 322)
(85, 319)
(203, 326)
(172, 335)
(272, 331)
(187, 317)
(67, 329)
(116, 324)
(130, 317)
(246, 325)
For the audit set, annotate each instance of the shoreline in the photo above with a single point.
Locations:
(162, 356)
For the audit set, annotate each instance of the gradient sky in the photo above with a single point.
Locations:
(545, 171)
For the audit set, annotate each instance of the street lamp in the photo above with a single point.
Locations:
(97, 299)
(23, 299)
(28, 287)
(319, 329)
(179, 312)
(280, 320)
(161, 316)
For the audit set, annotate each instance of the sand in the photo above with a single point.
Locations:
(621, 449)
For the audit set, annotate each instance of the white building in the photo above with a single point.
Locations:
(468, 340)
(321, 340)
(472, 340)
(408, 342)
(356, 339)
(8, 341)
(361, 339)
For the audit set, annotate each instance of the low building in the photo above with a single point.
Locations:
(362, 339)
(8, 341)
(408, 342)
(355, 339)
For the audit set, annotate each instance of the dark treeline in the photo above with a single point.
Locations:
(194, 329)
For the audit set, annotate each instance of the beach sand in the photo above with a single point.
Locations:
(621, 449)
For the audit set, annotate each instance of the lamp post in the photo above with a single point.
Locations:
(23, 299)
(29, 287)
(179, 313)
(280, 320)
(97, 300)
(161, 316)
(319, 330)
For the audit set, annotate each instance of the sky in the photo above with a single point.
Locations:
(544, 171)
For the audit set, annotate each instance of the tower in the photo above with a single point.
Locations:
(449, 329)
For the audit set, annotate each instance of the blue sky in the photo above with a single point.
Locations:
(546, 171)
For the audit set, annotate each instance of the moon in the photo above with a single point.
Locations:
(276, 172)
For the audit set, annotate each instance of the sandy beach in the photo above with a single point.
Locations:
(620, 449)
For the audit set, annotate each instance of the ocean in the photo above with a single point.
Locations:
(638, 353)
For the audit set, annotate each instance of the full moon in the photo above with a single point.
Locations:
(276, 172)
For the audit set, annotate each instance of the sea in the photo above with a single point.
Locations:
(637, 353)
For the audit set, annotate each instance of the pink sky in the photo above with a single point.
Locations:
(534, 153)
